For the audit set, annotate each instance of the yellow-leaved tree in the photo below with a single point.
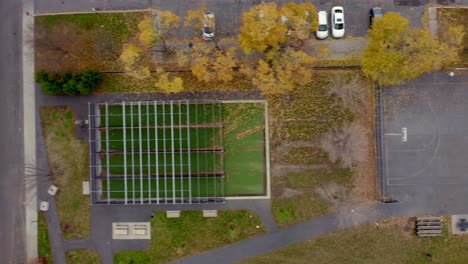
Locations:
(213, 64)
(147, 33)
(131, 57)
(194, 18)
(281, 73)
(137, 54)
(166, 22)
(395, 52)
(168, 84)
(266, 26)
(263, 29)
(301, 20)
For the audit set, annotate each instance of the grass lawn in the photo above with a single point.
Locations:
(82, 41)
(387, 242)
(43, 243)
(311, 140)
(203, 162)
(193, 114)
(306, 156)
(173, 238)
(455, 17)
(196, 187)
(82, 256)
(307, 111)
(68, 161)
(305, 203)
(192, 138)
(244, 159)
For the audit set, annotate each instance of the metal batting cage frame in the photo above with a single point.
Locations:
(156, 152)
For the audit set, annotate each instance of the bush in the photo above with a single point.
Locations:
(82, 83)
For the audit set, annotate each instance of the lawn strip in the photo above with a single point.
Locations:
(173, 238)
(68, 162)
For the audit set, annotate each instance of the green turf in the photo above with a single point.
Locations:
(162, 115)
(200, 187)
(244, 153)
(199, 162)
(43, 242)
(243, 158)
(200, 138)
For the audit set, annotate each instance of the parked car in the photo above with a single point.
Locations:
(337, 22)
(209, 26)
(322, 31)
(375, 13)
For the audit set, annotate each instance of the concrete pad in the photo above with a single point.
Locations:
(85, 187)
(456, 220)
(44, 206)
(430, 167)
(52, 190)
(172, 214)
(131, 230)
(210, 213)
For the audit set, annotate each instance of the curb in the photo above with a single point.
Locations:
(29, 129)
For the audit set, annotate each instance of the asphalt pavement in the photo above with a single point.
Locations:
(228, 12)
(425, 140)
(12, 235)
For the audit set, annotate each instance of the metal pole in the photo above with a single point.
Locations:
(107, 154)
(156, 148)
(125, 150)
(173, 154)
(148, 146)
(133, 154)
(189, 153)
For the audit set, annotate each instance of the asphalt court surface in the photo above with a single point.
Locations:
(425, 139)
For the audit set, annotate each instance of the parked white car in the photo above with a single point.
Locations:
(322, 31)
(209, 26)
(337, 21)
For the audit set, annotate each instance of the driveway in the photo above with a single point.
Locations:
(425, 141)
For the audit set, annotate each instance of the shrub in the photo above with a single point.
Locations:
(82, 83)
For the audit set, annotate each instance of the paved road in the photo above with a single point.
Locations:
(228, 12)
(11, 136)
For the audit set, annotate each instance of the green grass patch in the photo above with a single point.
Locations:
(244, 160)
(164, 163)
(162, 114)
(454, 17)
(173, 238)
(192, 138)
(306, 203)
(391, 241)
(243, 157)
(43, 243)
(82, 256)
(68, 161)
(306, 156)
(185, 187)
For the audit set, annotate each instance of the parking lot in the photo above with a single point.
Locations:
(425, 140)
